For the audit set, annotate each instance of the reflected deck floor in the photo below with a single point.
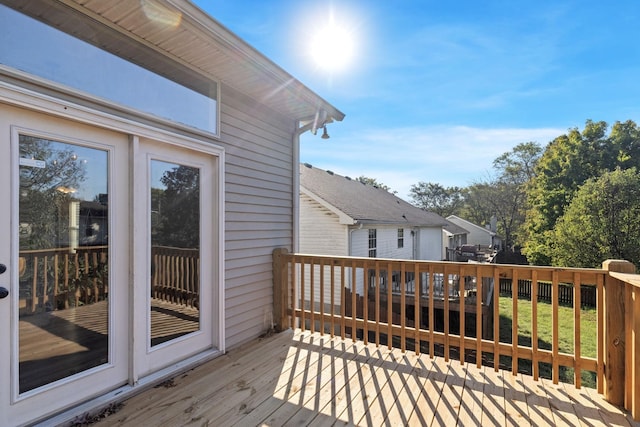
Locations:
(59, 343)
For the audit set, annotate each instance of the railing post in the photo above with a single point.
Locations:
(614, 331)
(280, 290)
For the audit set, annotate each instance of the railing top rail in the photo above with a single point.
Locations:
(62, 250)
(451, 263)
(632, 279)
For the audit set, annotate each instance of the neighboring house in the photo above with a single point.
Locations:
(453, 236)
(149, 161)
(342, 216)
(478, 235)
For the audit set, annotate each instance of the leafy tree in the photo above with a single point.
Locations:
(601, 222)
(45, 192)
(374, 183)
(434, 197)
(518, 165)
(567, 162)
(504, 197)
(176, 208)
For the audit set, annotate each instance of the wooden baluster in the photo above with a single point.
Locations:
(577, 379)
(67, 287)
(342, 300)
(365, 303)
(312, 294)
(534, 324)
(45, 281)
(600, 310)
(96, 291)
(333, 298)
(496, 319)
(431, 290)
(34, 285)
(293, 265)
(403, 305)
(56, 280)
(417, 297)
(377, 302)
(461, 313)
(389, 305)
(514, 321)
(321, 299)
(445, 292)
(354, 307)
(302, 302)
(555, 375)
(479, 323)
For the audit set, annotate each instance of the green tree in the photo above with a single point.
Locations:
(601, 222)
(504, 197)
(436, 198)
(45, 192)
(176, 208)
(567, 162)
(374, 183)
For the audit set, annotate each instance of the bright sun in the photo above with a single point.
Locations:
(332, 47)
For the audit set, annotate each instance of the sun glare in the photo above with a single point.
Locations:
(332, 47)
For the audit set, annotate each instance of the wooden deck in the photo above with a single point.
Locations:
(300, 378)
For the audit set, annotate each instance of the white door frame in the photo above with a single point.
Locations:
(146, 359)
(21, 407)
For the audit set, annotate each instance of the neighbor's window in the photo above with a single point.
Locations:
(400, 238)
(372, 242)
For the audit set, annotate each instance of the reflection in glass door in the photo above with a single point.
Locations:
(175, 251)
(63, 254)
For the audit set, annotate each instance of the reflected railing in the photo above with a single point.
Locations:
(60, 278)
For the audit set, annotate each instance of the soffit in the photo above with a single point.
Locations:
(178, 40)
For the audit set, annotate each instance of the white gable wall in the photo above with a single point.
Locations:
(320, 230)
(477, 235)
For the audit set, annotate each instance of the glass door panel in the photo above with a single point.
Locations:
(63, 260)
(175, 251)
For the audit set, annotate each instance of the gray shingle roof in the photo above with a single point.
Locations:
(365, 203)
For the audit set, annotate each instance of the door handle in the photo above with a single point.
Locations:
(4, 292)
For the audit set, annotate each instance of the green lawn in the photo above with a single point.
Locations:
(588, 331)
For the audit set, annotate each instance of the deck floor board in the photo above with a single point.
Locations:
(304, 378)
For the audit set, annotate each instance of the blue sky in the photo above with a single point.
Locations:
(436, 90)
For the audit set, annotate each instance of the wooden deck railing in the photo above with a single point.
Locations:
(61, 278)
(452, 309)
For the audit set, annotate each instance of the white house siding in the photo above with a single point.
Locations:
(258, 208)
(430, 243)
(320, 230)
(480, 237)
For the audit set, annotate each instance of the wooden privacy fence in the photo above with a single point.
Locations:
(446, 308)
(61, 278)
(588, 294)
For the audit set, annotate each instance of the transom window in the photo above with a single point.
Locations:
(36, 48)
